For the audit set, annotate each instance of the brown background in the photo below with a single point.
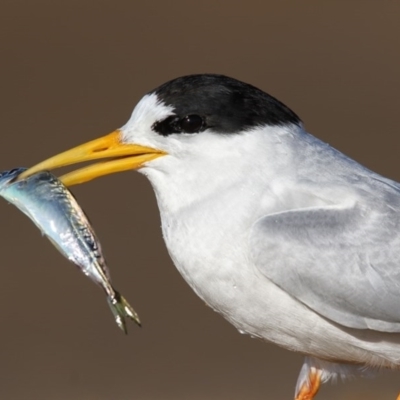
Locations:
(73, 70)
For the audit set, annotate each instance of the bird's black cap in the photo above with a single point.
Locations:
(226, 105)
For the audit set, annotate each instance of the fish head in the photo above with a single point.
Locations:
(8, 176)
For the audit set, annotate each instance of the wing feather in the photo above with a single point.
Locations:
(342, 261)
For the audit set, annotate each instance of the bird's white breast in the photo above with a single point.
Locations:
(207, 212)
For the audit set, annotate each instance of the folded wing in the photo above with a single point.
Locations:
(342, 261)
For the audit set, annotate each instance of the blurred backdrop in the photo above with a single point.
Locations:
(73, 70)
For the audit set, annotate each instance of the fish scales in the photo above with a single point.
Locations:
(55, 211)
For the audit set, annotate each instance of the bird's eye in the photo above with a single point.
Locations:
(191, 123)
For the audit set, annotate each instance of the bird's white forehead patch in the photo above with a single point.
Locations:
(149, 110)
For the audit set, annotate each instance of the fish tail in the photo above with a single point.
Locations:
(121, 309)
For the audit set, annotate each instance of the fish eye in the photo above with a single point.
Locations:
(191, 123)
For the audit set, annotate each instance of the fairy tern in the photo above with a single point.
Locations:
(289, 239)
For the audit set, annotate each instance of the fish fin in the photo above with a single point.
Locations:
(121, 309)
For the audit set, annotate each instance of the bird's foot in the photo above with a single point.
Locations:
(398, 397)
(310, 387)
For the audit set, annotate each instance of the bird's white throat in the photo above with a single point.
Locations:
(209, 196)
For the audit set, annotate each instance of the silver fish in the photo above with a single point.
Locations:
(54, 210)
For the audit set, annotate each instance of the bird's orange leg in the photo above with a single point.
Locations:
(310, 388)
(398, 397)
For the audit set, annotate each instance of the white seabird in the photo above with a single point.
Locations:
(286, 237)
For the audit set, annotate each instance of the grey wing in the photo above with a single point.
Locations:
(341, 261)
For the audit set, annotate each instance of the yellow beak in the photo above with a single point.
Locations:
(119, 157)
